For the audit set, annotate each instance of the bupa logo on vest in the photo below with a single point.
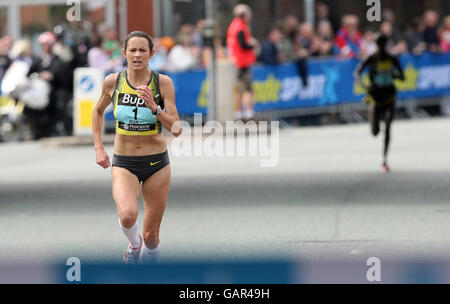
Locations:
(131, 100)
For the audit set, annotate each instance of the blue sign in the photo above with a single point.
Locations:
(330, 83)
(191, 91)
(86, 84)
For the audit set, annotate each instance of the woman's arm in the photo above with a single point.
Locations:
(358, 71)
(168, 118)
(102, 157)
(400, 74)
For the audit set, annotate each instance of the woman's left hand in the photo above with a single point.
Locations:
(146, 94)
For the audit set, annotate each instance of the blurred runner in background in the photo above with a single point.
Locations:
(381, 94)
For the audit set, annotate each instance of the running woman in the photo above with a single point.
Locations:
(143, 101)
(381, 94)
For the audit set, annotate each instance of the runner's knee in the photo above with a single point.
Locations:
(128, 218)
(151, 237)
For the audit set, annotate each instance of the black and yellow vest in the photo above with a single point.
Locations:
(131, 114)
(381, 73)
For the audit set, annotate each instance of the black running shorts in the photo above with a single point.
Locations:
(142, 166)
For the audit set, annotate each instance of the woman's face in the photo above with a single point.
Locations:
(138, 53)
(46, 48)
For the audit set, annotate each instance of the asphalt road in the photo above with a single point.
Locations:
(327, 199)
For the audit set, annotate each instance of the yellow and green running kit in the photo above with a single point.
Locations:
(132, 115)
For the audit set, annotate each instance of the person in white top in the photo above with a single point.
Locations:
(183, 56)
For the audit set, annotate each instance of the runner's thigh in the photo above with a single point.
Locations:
(126, 190)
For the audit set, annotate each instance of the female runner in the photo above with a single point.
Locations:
(143, 101)
(382, 93)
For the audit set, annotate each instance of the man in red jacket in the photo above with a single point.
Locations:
(241, 46)
(348, 38)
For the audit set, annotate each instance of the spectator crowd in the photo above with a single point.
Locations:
(289, 40)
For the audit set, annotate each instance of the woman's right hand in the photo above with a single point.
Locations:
(102, 158)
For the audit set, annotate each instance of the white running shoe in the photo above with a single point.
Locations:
(149, 255)
(132, 255)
